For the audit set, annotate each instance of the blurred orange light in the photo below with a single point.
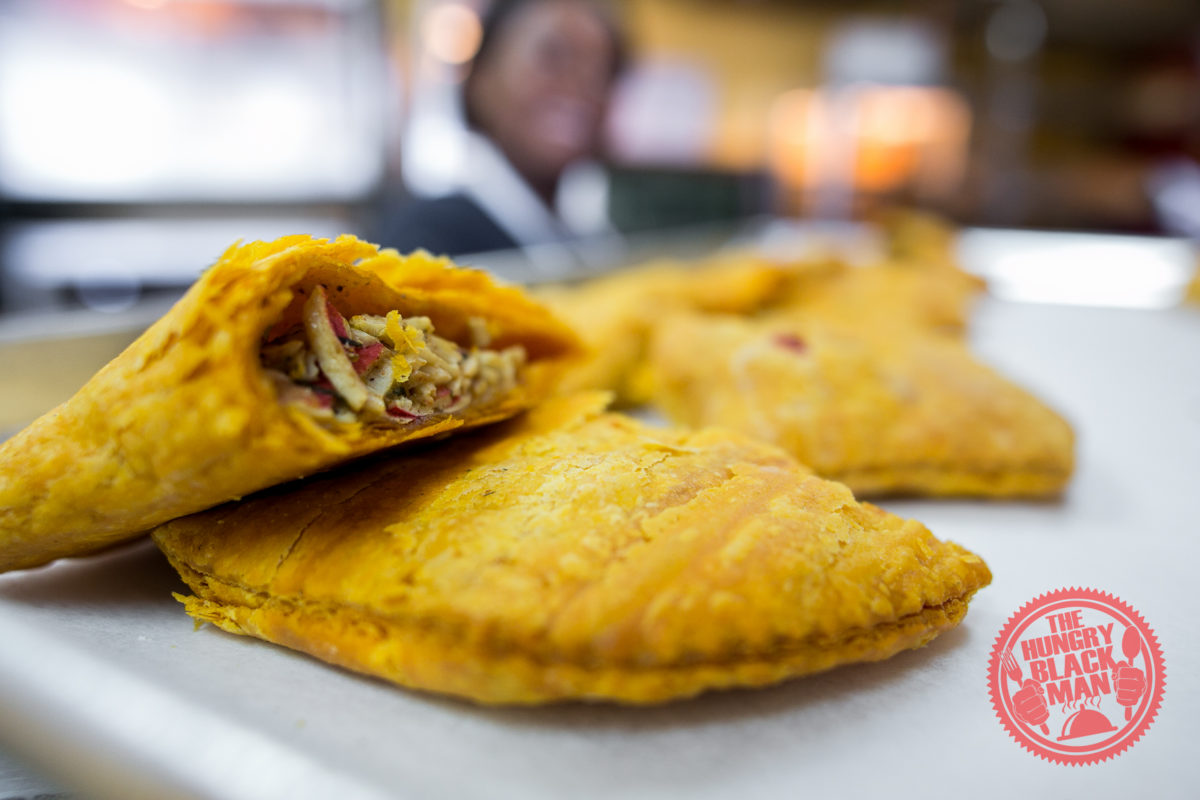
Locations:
(896, 116)
(789, 133)
(451, 33)
(881, 167)
(876, 138)
(147, 4)
(893, 124)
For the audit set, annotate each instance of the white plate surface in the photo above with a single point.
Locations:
(105, 685)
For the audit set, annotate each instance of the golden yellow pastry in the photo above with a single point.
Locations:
(1192, 293)
(918, 283)
(910, 412)
(613, 321)
(615, 314)
(918, 237)
(737, 282)
(284, 358)
(886, 295)
(571, 553)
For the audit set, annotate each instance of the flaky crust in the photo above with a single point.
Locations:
(909, 412)
(185, 418)
(618, 315)
(574, 554)
(615, 315)
(885, 296)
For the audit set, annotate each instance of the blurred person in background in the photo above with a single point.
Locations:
(535, 102)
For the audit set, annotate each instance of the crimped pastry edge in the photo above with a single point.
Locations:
(429, 659)
(951, 480)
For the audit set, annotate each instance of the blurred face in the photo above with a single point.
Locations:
(542, 93)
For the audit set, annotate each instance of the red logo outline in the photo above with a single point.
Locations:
(1037, 738)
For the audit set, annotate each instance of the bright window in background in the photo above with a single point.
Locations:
(190, 100)
(438, 41)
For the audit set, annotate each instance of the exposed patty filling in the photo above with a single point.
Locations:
(390, 368)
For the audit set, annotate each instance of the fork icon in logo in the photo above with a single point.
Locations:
(1029, 702)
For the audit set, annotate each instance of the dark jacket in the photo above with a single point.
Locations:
(452, 225)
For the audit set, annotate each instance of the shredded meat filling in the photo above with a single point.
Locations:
(384, 368)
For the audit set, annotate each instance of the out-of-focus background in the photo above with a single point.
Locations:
(138, 138)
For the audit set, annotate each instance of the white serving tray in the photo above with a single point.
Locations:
(106, 687)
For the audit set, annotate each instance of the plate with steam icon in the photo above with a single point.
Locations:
(1089, 721)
